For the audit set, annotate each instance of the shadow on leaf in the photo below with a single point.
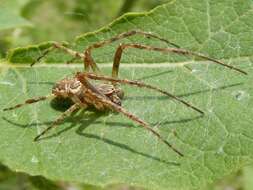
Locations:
(77, 121)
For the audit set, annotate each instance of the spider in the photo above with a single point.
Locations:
(104, 95)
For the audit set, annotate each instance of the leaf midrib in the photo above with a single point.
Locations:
(4, 64)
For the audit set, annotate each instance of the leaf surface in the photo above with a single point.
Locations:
(98, 148)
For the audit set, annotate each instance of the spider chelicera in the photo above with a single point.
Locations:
(105, 95)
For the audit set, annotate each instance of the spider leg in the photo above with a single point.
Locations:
(58, 120)
(99, 97)
(86, 57)
(121, 47)
(89, 60)
(140, 84)
(128, 34)
(73, 53)
(30, 101)
(71, 60)
(142, 123)
(43, 55)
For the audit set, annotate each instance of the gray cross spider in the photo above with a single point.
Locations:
(104, 96)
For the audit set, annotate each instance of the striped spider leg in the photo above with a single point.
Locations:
(119, 51)
(86, 55)
(30, 101)
(90, 63)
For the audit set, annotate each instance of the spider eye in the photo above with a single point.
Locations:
(75, 85)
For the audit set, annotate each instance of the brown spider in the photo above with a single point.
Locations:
(101, 96)
(105, 96)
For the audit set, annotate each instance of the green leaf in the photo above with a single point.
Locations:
(248, 174)
(103, 148)
(10, 17)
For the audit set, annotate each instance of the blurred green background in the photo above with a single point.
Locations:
(62, 20)
(9, 180)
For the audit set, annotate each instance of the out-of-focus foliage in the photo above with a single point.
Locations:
(62, 20)
(10, 18)
(143, 5)
(9, 180)
(10, 15)
(139, 5)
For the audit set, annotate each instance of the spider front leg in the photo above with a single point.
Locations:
(119, 51)
(98, 97)
(86, 56)
(128, 34)
(89, 62)
(30, 101)
(58, 120)
(59, 46)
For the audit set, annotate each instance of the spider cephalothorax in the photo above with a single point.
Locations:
(67, 87)
(84, 91)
